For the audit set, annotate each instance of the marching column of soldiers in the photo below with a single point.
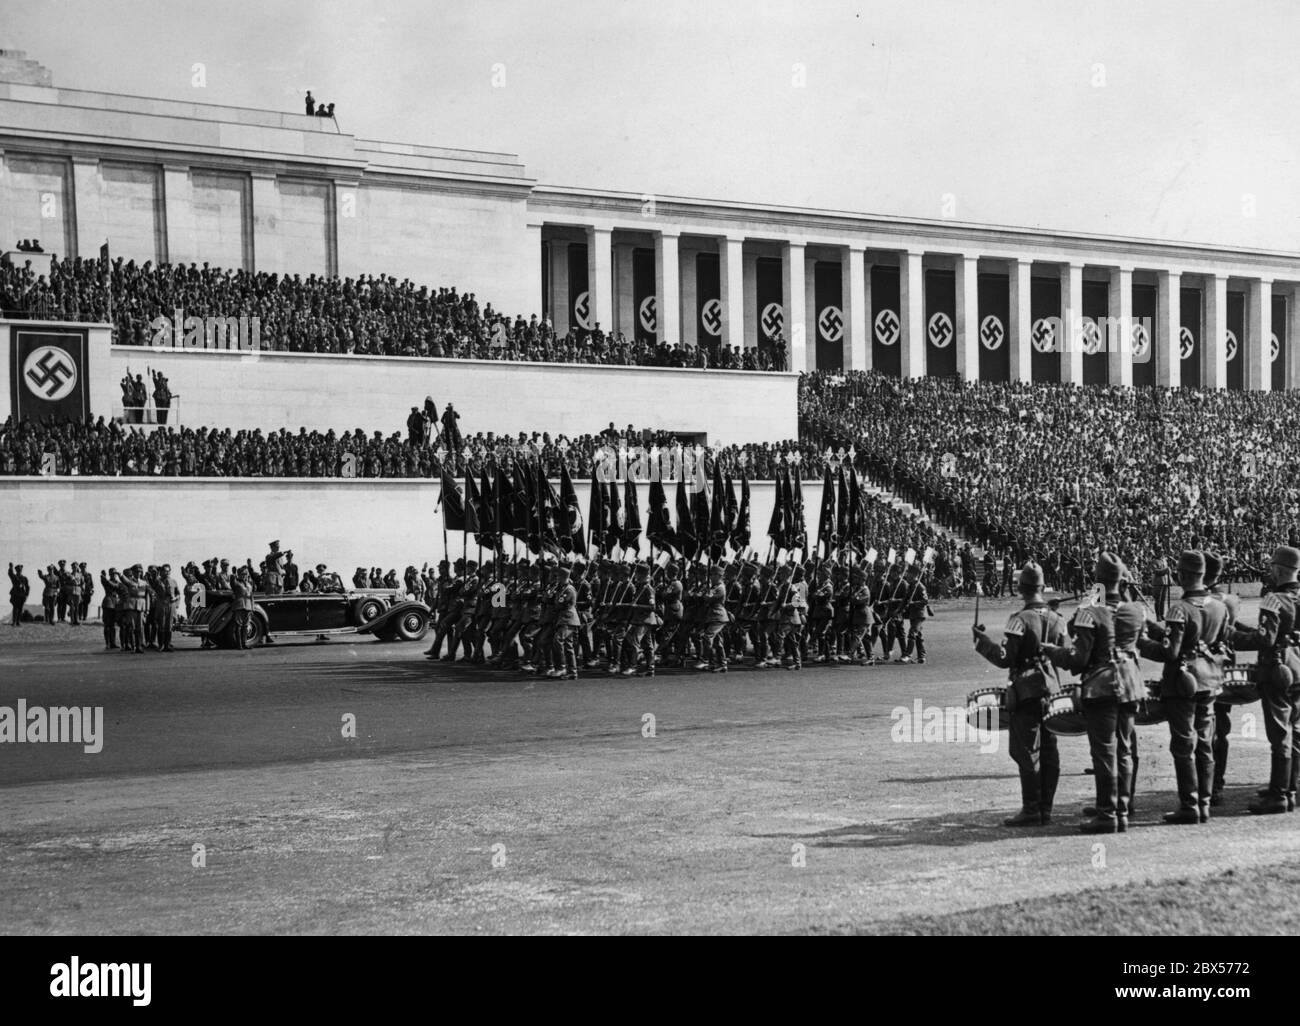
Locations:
(1194, 641)
(557, 618)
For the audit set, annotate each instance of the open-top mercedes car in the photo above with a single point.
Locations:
(385, 613)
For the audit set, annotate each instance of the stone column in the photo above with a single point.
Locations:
(1119, 362)
(911, 301)
(600, 277)
(560, 286)
(796, 305)
(1259, 326)
(1214, 339)
(1018, 331)
(668, 278)
(1165, 346)
(1071, 324)
(857, 341)
(966, 298)
(731, 265)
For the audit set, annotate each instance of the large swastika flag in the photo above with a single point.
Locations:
(49, 373)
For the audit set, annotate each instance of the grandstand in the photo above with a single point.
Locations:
(302, 289)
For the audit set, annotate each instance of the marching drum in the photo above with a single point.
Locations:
(986, 709)
(1238, 686)
(1150, 709)
(1065, 712)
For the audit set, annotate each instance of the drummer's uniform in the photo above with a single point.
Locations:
(1194, 625)
(1033, 748)
(1105, 656)
(1223, 711)
(1278, 680)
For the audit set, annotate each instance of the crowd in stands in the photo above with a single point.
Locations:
(1057, 472)
(373, 315)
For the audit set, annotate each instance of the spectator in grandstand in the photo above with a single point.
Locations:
(367, 315)
(311, 104)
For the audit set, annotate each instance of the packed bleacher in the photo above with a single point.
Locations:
(1056, 472)
(373, 315)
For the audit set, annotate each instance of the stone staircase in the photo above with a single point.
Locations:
(891, 498)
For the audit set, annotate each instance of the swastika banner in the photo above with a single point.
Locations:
(645, 313)
(830, 323)
(49, 373)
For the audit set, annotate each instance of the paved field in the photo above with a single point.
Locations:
(469, 801)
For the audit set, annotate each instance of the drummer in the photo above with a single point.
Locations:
(1193, 629)
(1021, 653)
(1277, 674)
(1222, 711)
(1104, 654)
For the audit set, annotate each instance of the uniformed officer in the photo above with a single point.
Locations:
(137, 590)
(670, 596)
(19, 589)
(109, 606)
(1193, 628)
(1105, 656)
(1023, 653)
(1222, 712)
(1278, 679)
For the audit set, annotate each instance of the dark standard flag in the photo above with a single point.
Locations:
(453, 506)
(659, 523)
(740, 532)
(686, 539)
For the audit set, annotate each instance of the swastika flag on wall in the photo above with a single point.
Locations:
(49, 374)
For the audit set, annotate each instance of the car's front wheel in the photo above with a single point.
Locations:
(412, 625)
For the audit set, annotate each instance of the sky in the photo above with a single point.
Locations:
(1161, 119)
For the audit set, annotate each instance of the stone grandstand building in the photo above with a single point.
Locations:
(172, 181)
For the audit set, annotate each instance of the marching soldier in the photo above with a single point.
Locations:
(582, 636)
(916, 607)
(790, 608)
(673, 612)
(643, 622)
(1277, 677)
(861, 618)
(1105, 656)
(1193, 628)
(566, 621)
(714, 621)
(821, 613)
(1024, 652)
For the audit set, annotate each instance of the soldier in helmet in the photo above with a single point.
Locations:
(714, 619)
(1024, 653)
(1222, 712)
(643, 622)
(564, 599)
(1277, 673)
(1193, 628)
(861, 617)
(916, 607)
(1105, 656)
